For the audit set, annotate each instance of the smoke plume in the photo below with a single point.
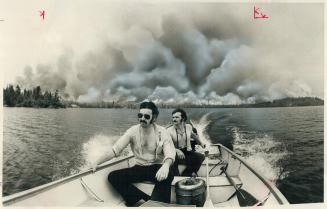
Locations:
(193, 53)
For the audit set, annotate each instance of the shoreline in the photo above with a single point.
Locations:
(285, 102)
(166, 107)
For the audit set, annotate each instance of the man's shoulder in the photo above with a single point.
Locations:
(170, 129)
(133, 128)
(161, 128)
(170, 126)
(163, 132)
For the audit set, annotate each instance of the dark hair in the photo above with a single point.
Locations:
(183, 113)
(152, 106)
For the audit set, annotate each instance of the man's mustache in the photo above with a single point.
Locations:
(143, 121)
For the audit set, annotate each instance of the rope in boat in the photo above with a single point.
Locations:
(90, 191)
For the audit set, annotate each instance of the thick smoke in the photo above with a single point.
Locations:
(201, 56)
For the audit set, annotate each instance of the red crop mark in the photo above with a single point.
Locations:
(42, 14)
(257, 14)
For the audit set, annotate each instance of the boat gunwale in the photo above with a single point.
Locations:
(7, 200)
(25, 194)
(272, 188)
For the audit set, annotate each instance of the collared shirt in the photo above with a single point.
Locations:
(180, 139)
(163, 147)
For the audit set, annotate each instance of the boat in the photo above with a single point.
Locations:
(230, 180)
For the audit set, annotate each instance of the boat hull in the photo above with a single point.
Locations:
(92, 188)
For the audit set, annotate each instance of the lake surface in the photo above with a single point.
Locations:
(285, 144)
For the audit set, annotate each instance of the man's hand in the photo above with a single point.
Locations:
(206, 149)
(180, 154)
(194, 135)
(94, 167)
(162, 173)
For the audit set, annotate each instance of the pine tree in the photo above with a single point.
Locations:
(14, 97)
(9, 96)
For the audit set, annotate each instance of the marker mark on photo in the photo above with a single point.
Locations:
(257, 14)
(42, 14)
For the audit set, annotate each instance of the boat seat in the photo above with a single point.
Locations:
(214, 180)
(211, 161)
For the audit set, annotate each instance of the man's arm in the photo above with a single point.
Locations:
(108, 156)
(169, 152)
(114, 151)
(168, 162)
(168, 148)
(179, 153)
(163, 172)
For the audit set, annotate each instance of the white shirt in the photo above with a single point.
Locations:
(181, 138)
(155, 153)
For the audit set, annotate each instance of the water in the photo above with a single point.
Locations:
(286, 144)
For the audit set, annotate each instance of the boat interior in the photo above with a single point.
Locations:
(222, 192)
(231, 183)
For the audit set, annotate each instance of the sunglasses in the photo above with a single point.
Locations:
(146, 116)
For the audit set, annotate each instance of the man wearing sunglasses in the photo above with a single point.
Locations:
(182, 135)
(154, 154)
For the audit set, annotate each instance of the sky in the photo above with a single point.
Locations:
(173, 52)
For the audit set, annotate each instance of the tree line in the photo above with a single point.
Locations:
(285, 102)
(35, 97)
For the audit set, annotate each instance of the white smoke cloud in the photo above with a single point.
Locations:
(91, 96)
(207, 54)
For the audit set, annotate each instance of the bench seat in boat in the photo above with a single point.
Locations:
(220, 191)
(214, 181)
(220, 188)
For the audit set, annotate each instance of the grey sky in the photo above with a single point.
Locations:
(102, 50)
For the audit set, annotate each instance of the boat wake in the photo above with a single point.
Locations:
(201, 126)
(97, 146)
(262, 152)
